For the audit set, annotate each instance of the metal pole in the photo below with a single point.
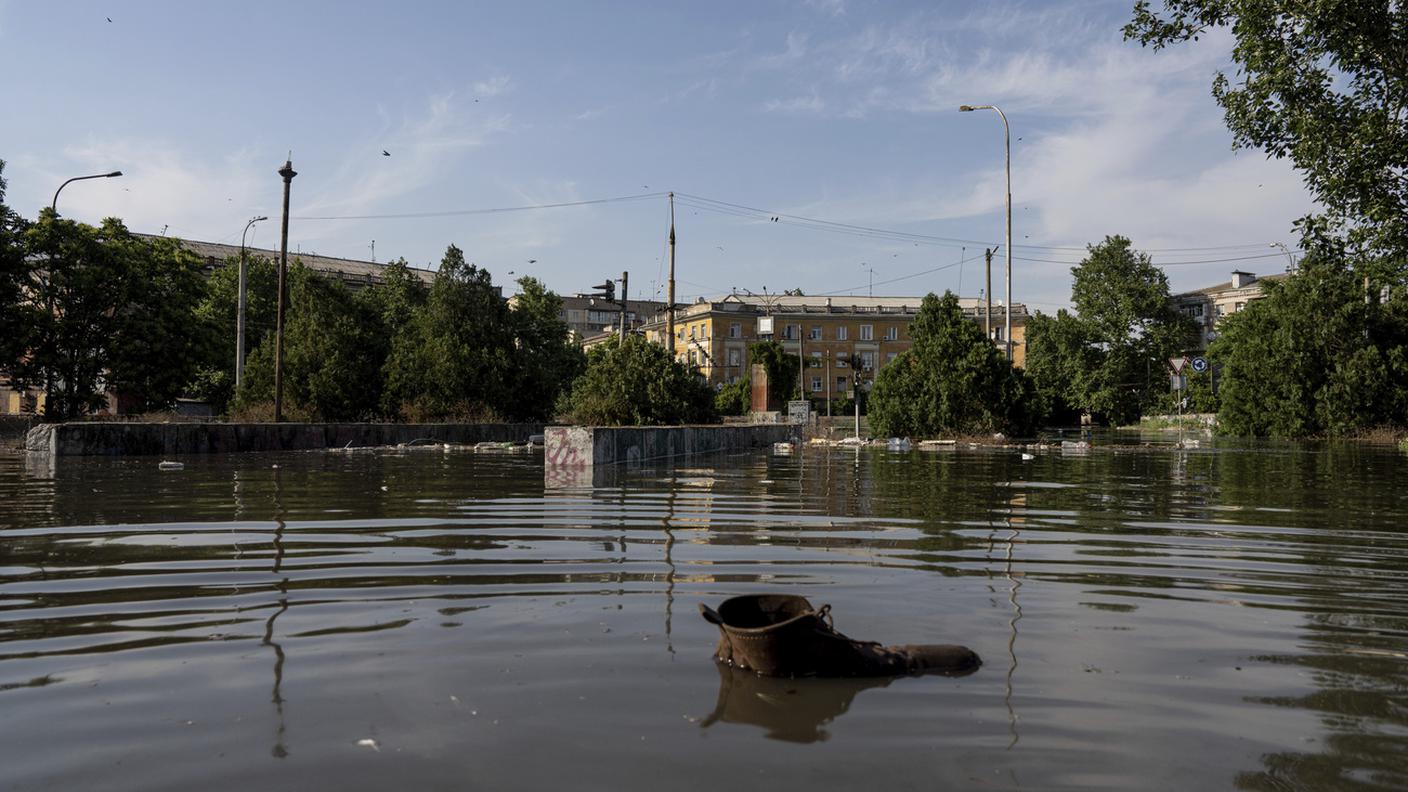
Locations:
(239, 313)
(55, 204)
(287, 172)
(1007, 146)
(987, 313)
(625, 280)
(670, 295)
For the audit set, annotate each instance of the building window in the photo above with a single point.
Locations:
(841, 333)
(841, 383)
(867, 360)
(815, 334)
(735, 330)
(1195, 310)
(790, 332)
(734, 357)
(867, 332)
(842, 360)
(890, 357)
(997, 333)
(1220, 311)
(816, 384)
(1239, 307)
(691, 332)
(892, 334)
(816, 361)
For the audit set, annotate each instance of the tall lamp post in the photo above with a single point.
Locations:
(1007, 142)
(239, 316)
(1290, 261)
(55, 204)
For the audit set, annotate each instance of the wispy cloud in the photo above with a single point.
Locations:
(493, 86)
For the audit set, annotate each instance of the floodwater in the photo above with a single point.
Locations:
(1222, 618)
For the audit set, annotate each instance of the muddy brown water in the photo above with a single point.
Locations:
(1229, 617)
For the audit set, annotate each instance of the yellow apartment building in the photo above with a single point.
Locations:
(833, 334)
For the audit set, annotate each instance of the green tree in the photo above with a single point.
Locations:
(1110, 357)
(455, 357)
(780, 366)
(952, 380)
(638, 383)
(546, 360)
(1060, 358)
(333, 355)
(1312, 357)
(154, 351)
(99, 321)
(16, 311)
(1321, 82)
(215, 320)
(735, 398)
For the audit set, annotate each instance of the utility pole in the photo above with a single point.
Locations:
(987, 312)
(625, 279)
(670, 294)
(287, 172)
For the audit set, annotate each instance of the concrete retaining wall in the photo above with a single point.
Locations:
(585, 446)
(169, 439)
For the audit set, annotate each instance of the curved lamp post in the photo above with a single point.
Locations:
(1007, 142)
(55, 204)
(239, 316)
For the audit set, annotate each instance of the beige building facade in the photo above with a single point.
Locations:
(840, 337)
(1208, 306)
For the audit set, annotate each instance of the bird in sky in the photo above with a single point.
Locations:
(532, 261)
(109, 19)
(385, 153)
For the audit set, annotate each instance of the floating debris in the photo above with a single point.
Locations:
(173, 466)
(898, 444)
(782, 449)
(368, 742)
(1027, 457)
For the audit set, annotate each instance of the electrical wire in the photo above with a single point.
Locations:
(497, 210)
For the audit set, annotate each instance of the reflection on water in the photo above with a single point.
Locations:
(792, 710)
(1222, 617)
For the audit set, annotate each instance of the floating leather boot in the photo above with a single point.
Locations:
(782, 635)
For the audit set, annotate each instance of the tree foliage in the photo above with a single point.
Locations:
(108, 311)
(1313, 357)
(546, 360)
(638, 383)
(952, 380)
(332, 353)
(455, 356)
(1110, 357)
(780, 366)
(16, 319)
(1321, 82)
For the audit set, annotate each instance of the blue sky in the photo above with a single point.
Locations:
(840, 110)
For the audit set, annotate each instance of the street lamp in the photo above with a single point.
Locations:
(1007, 142)
(1290, 260)
(55, 204)
(239, 316)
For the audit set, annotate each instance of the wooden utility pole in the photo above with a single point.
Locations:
(670, 294)
(288, 173)
(987, 295)
(625, 278)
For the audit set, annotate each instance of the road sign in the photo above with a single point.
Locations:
(1178, 363)
(1177, 382)
(1200, 364)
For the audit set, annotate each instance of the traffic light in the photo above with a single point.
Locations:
(606, 291)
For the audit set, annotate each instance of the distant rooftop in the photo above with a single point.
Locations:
(352, 271)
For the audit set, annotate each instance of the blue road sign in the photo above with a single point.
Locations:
(1200, 364)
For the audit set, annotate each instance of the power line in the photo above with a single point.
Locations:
(497, 210)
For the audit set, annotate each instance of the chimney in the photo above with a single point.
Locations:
(1241, 279)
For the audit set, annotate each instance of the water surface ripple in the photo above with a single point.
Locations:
(1232, 617)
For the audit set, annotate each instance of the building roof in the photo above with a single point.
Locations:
(346, 269)
(1227, 286)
